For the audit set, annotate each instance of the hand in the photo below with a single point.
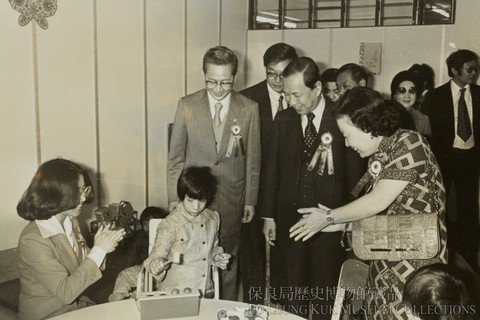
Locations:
(157, 266)
(270, 231)
(312, 221)
(221, 260)
(172, 205)
(248, 214)
(108, 239)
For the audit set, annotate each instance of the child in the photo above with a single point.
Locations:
(192, 231)
(137, 253)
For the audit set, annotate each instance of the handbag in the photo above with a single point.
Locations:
(395, 237)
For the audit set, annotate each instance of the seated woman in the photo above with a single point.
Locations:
(406, 88)
(54, 263)
(436, 292)
(192, 231)
(408, 181)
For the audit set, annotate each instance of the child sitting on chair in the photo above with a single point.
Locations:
(126, 281)
(190, 231)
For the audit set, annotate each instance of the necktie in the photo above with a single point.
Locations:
(216, 119)
(310, 131)
(464, 129)
(280, 104)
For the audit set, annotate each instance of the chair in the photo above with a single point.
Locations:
(147, 279)
(353, 278)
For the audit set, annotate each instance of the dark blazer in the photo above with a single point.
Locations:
(438, 106)
(259, 94)
(282, 175)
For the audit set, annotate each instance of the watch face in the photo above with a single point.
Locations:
(330, 219)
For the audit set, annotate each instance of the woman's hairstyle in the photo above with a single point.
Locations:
(406, 76)
(426, 73)
(197, 183)
(307, 67)
(369, 112)
(220, 56)
(53, 189)
(436, 292)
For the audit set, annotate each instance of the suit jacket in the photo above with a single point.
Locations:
(438, 106)
(197, 239)
(51, 277)
(280, 197)
(259, 94)
(193, 143)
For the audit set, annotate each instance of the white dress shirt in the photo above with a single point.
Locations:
(318, 112)
(458, 142)
(225, 104)
(274, 96)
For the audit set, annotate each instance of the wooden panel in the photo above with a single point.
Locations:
(17, 120)
(165, 24)
(202, 33)
(258, 42)
(121, 98)
(311, 43)
(233, 35)
(425, 49)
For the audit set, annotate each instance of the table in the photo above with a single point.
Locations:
(127, 309)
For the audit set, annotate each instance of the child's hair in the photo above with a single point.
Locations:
(436, 292)
(197, 183)
(152, 212)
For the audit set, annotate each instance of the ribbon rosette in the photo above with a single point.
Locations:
(235, 144)
(374, 169)
(324, 152)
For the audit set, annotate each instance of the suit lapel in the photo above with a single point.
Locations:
(266, 104)
(450, 120)
(203, 117)
(234, 113)
(65, 252)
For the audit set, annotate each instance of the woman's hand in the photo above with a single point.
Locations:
(312, 221)
(108, 239)
(221, 260)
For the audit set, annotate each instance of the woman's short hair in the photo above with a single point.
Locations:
(53, 189)
(220, 56)
(369, 112)
(437, 292)
(406, 75)
(197, 183)
(307, 67)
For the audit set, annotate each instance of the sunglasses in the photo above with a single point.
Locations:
(403, 90)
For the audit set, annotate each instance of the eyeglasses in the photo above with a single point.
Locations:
(212, 84)
(471, 69)
(403, 90)
(273, 75)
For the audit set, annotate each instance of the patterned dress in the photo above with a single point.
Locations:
(406, 156)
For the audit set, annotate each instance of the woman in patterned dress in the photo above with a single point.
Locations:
(409, 182)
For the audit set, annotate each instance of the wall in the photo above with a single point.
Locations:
(99, 87)
(401, 46)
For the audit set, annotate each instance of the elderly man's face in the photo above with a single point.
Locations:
(302, 98)
(219, 80)
(345, 82)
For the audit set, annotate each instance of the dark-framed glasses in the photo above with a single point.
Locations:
(471, 69)
(273, 75)
(212, 84)
(403, 90)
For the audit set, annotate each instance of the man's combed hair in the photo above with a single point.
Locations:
(197, 183)
(329, 75)
(306, 66)
(53, 189)
(369, 112)
(357, 72)
(220, 56)
(456, 60)
(279, 52)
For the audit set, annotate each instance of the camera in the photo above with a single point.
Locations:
(119, 215)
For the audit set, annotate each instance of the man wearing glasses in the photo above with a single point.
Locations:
(220, 128)
(454, 112)
(270, 98)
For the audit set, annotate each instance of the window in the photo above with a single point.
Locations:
(312, 14)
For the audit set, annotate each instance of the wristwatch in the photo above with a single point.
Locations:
(329, 217)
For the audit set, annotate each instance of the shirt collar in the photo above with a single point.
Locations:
(318, 111)
(456, 88)
(225, 102)
(274, 95)
(52, 226)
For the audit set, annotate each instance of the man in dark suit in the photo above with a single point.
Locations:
(270, 98)
(309, 269)
(454, 112)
